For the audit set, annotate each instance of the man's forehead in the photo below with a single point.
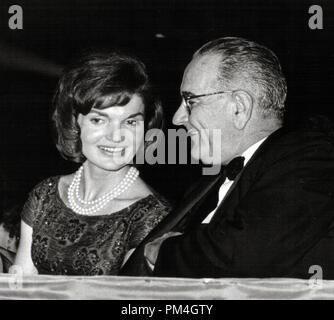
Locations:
(201, 74)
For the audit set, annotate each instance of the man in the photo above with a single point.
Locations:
(271, 212)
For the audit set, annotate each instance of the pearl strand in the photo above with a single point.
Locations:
(98, 204)
(77, 177)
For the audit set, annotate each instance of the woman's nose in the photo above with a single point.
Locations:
(115, 134)
(180, 116)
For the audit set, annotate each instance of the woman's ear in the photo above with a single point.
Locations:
(242, 109)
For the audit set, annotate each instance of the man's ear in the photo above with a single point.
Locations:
(242, 109)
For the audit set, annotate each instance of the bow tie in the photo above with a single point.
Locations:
(234, 167)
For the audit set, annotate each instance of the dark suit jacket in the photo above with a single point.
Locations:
(277, 219)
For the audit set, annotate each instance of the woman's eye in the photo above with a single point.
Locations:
(96, 120)
(131, 122)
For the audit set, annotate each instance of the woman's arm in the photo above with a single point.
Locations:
(23, 256)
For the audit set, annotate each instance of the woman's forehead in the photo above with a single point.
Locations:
(134, 106)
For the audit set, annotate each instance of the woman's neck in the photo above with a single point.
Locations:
(96, 181)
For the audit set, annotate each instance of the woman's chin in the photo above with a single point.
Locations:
(111, 166)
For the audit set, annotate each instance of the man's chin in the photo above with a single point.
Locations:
(195, 159)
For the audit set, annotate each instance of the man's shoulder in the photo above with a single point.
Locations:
(303, 139)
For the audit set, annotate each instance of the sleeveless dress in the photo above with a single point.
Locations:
(67, 243)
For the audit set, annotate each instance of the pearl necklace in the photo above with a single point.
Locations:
(97, 204)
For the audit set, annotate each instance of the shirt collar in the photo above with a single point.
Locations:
(247, 155)
(251, 150)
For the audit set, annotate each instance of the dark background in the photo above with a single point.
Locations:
(57, 31)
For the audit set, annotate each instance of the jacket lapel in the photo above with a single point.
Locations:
(232, 196)
(187, 210)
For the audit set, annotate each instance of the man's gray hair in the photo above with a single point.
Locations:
(254, 66)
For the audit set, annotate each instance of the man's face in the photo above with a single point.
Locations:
(210, 121)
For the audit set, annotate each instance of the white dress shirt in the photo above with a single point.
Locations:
(222, 193)
(228, 183)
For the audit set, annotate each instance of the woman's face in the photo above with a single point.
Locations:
(112, 136)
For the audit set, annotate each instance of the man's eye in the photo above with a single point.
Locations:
(192, 103)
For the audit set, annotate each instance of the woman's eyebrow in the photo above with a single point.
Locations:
(101, 113)
(135, 115)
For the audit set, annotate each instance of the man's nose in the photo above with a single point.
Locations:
(180, 116)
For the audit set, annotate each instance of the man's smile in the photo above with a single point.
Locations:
(193, 132)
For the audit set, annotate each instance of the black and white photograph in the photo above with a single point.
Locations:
(166, 150)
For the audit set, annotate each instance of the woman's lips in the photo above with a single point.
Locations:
(112, 150)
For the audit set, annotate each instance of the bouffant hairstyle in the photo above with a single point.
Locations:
(99, 81)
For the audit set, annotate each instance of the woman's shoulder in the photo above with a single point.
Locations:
(151, 209)
(147, 214)
(40, 195)
(150, 196)
(45, 184)
(161, 201)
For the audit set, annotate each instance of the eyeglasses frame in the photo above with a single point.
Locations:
(187, 98)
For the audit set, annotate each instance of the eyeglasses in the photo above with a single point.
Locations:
(187, 98)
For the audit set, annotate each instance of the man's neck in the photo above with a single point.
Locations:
(256, 134)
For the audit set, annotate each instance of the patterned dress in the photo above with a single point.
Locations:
(67, 243)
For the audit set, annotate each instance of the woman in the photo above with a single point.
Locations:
(85, 222)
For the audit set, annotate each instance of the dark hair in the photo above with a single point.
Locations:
(256, 66)
(99, 81)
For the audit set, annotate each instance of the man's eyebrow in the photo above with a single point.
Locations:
(187, 94)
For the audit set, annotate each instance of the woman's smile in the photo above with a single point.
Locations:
(112, 151)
